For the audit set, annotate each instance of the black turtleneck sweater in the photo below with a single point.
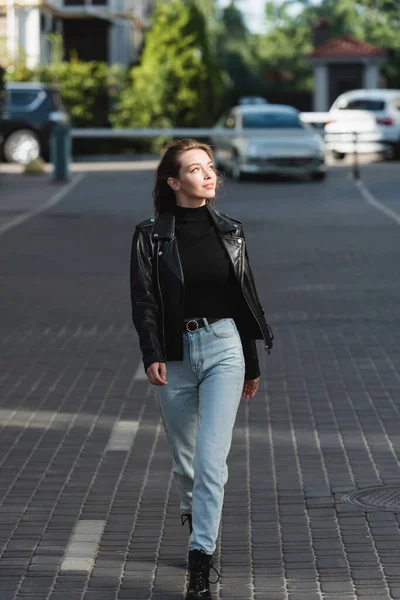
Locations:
(211, 288)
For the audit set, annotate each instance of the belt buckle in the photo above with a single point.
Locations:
(192, 330)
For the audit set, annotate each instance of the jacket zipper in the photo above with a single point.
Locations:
(158, 245)
(254, 315)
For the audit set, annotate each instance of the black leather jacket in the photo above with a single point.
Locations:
(157, 289)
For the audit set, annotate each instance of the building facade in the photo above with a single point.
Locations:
(107, 30)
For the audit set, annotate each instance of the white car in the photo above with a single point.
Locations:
(373, 114)
(268, 139)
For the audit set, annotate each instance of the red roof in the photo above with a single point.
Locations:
(346, 46)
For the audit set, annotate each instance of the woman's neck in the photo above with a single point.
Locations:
(190, 203)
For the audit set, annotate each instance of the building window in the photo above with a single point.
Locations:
(85, 2)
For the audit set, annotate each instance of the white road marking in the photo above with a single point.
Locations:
(46, 205)
(122, 435)
(370, 199)
(82, 547)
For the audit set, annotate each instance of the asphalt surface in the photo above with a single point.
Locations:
(88, 508)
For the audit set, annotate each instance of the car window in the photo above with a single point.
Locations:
(22, 99)
(364, 104)
(271, 120)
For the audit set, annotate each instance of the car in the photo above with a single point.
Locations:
(29, 114)
(352, 111)
(269, 139)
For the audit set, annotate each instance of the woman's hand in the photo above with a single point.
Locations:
(157, 373)
(250, 388)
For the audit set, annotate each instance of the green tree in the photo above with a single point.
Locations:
(237, 54)
(289, 35)
(373, 21)
(285, 45)
(208, 10)
(178, 82)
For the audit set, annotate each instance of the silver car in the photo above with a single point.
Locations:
(268, 139)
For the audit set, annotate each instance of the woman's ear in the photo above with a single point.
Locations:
(174, 184)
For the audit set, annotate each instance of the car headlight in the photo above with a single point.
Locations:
(252, 151)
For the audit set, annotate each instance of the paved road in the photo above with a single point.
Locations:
(87, 506)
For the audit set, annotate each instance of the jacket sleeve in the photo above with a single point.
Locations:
(254, 287)
(250, 273)
(145, 308)
(252, 367)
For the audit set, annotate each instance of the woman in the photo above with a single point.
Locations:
(197, 313)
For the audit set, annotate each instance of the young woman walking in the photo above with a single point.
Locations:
(197, 314)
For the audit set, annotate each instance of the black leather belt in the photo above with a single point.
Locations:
(194, 324)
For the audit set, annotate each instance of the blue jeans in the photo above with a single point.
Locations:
(198, 408)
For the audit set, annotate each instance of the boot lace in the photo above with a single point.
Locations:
(217, 573)
(201, 578)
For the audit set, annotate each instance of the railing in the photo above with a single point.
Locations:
(361, 132)
(313, 118)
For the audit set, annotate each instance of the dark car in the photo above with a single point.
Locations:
(29, 113)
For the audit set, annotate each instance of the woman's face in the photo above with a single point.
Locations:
(197, 178)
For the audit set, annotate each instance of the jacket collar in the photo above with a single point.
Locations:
(165, 223)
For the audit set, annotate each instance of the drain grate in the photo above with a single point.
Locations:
(383, 498)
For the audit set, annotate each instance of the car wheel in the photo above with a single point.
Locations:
(394, 151)
(236, 172)
(318, 176)
(338, 155)
(21, 146)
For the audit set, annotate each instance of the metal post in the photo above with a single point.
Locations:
(60, 151)
(356, 164)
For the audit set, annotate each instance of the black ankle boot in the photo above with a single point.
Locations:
(187, 518)
(200, 564)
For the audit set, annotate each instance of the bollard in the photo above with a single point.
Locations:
(60, 151)
(356, 164)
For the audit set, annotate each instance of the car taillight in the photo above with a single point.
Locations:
(331, 121)
(385, 121)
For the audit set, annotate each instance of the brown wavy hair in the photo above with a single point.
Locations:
(169, 166)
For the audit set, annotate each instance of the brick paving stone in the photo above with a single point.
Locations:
(68, 596)
(270, 596)
(164, 596)
(98, 595)
(305, 596)
(341, 597)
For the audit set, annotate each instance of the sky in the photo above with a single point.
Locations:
(253, 11)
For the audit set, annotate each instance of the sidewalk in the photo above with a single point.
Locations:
(22, 193)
